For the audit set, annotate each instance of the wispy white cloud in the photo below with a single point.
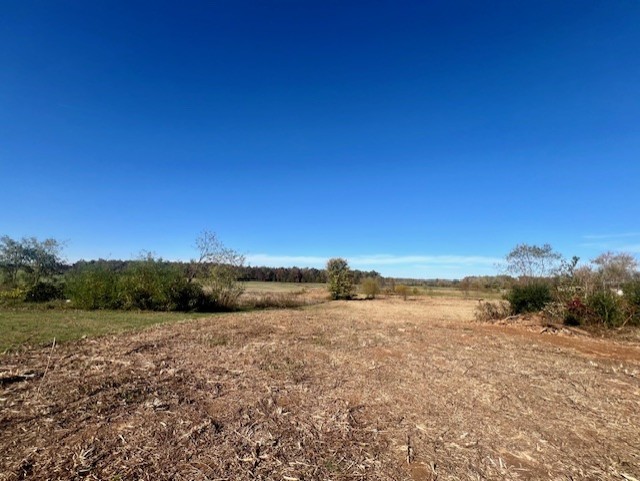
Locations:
(443, 260)
(621, 242)
(611, 236)
(631, 248)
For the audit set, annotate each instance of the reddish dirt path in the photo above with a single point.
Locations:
(592, 347)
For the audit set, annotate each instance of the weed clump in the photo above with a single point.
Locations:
(492, 311)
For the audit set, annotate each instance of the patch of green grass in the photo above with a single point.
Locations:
(33, 327)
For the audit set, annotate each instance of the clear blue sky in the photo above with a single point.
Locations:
(421, 139)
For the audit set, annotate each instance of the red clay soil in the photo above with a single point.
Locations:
(593, 347)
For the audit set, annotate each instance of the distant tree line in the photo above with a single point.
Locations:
(486, 283)
(282, 274)
(299, 275)
(295, 274)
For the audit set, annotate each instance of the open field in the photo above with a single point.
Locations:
(273, 287)
(255, 287)
(453, 292)
(380, 390)
(282, 294)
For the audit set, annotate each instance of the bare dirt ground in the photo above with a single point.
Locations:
(378, 390)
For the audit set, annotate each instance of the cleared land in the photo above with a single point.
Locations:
(384, 389)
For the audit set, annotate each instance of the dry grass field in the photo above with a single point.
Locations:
(378, 390)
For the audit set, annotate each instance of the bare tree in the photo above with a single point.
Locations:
(586, 279)
(529, 262)
(217, 268)
(614, 269)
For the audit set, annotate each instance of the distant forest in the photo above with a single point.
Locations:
(246, 273)
(304, 275)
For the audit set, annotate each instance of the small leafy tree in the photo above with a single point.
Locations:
(402, 290)
(12, 259)
(43, 258)
(31, 258)
(370, 287)
(340, 279)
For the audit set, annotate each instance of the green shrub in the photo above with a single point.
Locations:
(44, 292)
(155, 285)
(605, 307)
(94, 287)
(146, 285)
(529, 297)
(188, 296)
(632, 300)
(370, 287)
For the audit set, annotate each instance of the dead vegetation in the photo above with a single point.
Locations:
(492, 310)
(295, 297)
(384, 390)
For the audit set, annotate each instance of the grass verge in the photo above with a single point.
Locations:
(22, 327)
